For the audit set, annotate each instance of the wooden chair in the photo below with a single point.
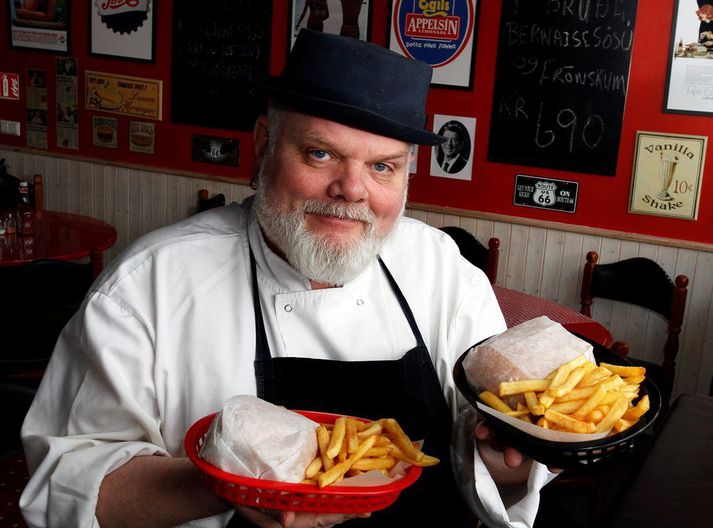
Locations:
(476, 253)
(205, 201)
(39, 298)
(643, 282)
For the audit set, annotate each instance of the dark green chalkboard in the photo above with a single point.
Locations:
(217, 45)
(560, 84)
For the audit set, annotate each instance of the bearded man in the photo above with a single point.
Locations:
(316, 294)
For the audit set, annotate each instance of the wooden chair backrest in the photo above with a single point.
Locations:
(643, 282)
(476, 253)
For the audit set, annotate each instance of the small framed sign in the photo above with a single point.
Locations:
(217, 150)
(668, 170)
(545, 193)
(104, 131)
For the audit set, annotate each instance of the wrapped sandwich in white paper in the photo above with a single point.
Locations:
(530, 350)
(254, 438)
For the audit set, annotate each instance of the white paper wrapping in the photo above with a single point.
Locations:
(254, 438)
(530, 350)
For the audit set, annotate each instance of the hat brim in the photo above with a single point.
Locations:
(346, 114)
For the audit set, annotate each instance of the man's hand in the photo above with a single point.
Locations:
(283, 519)
(506, 465)
(705, 13)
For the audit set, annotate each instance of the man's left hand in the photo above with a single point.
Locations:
(507, 465)
(285, 519)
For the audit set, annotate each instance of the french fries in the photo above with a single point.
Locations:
(351, 447)
(579, 397)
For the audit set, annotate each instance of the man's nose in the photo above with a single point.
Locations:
(348, 182)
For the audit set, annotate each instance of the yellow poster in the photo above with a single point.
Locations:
(668, 170)
(121, 94)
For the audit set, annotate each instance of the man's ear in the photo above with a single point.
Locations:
(260, 139)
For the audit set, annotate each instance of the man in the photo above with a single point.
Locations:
(311, 296)
(454, 154)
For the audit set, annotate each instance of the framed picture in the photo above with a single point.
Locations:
(690, 68)
(668, 170)
(39, 25)
(104, 131)
(123, 30)
(441, 34)
(453, 158)
(339, 17)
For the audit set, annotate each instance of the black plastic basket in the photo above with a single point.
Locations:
(567, 455)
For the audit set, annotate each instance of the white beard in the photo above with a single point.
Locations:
(316, 256)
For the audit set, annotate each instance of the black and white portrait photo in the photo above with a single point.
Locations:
(453, 158)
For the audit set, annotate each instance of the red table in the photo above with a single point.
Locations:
(60, 236)
(519, 307)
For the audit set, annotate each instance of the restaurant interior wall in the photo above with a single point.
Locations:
(603, 200)
(542, 252)
(545, 261)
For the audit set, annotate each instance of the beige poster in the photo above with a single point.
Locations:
(121, 94)
(668, 170)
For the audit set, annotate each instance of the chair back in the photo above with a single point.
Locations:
(476, 253)
(642, 282)
(205, 201)
(39, 298)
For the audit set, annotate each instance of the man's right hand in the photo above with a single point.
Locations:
(283, 519)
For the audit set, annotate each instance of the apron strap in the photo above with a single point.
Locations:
(262, 348)
(404, 305)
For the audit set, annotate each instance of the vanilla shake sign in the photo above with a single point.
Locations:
(439, 33)
(667, 175)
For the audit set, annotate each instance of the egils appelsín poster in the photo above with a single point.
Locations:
(439, 33)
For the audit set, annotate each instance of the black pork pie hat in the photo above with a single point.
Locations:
(355, 83)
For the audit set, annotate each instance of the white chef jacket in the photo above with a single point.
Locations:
(167, 334)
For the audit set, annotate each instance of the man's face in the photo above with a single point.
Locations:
(452, 146)
(342, 188)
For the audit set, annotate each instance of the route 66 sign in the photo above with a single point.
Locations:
(557, 195)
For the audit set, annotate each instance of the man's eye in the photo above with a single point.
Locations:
(319, 154)
(381, 167)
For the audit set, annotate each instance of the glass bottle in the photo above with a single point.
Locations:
(27, 221)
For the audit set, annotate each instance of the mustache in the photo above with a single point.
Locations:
(343, 210)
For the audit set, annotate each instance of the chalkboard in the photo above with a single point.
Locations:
(560, 84)
(217, 45)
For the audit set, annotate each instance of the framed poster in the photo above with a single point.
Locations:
(339, 17)
(441, 34)
(689, 85)
(122, 94)
(453, 158)
(125, 30)
(668, 170)
(39, 25)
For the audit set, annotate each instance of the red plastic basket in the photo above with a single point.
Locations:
(275, 495)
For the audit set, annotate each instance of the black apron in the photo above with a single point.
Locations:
(406, 389)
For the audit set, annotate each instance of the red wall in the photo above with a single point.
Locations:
(603, 200)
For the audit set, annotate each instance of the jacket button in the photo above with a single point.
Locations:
(288, 308)
(360, 302)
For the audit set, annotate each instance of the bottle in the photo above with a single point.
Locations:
(27, 220)
(11, 224)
